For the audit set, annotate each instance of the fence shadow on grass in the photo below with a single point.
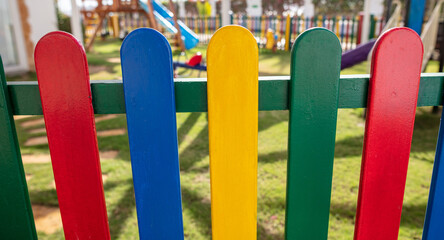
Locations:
(412, 214)
(123, 209)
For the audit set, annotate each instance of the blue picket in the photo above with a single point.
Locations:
(435, 208)
(147, 72)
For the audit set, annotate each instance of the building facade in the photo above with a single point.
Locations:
(22, 24)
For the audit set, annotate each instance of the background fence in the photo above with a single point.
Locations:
(287, 28)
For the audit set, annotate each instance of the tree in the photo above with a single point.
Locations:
(338, 6)
(279, 6)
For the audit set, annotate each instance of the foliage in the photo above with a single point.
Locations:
(63, 21)
(278, 6)
(338, 6)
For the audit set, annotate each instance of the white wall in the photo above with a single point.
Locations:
(308, 8)
(254, 8)
(377, 7)
(19, 44)
(76, 22)
(42, 18)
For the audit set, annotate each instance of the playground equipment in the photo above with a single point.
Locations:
(232, 96)
(152, 9)
(271, 40)
(165, 18)
(94, 19)
(430, 33)
(194, 63)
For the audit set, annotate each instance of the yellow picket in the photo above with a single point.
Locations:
(233, 128)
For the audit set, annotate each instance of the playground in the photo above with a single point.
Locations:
(189, 37)
(104, 63)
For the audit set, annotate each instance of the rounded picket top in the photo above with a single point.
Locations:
(54, 36)
(148, 38)
(395, 42)
(231, 36)
(51, 45)
(317, 41)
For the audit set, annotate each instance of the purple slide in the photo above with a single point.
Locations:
(357, 55)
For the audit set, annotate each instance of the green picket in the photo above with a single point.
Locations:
(371, 33)
(16, 218)
(314, 92)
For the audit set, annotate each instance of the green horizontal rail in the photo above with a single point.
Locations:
(191, 94)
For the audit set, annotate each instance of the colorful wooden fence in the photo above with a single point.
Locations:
(232, 96)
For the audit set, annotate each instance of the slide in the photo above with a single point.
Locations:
(165, 18)
(357, 55)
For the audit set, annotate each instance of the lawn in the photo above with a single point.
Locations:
(194, 163)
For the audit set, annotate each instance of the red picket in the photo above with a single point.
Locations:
(393, 93)
(62, 72)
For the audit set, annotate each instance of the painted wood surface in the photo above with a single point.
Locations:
(191, 94)
(393, 92)
(62, 73)
(435, 207)
(314, 92)
(233, 128)
(16, 218)
(151, 115)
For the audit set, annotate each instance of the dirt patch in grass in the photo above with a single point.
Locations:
(32, 123)
(201, 179)
(46, 158)
(35, 141)
(93, 69)
(47, 219)
(20, 117)
(109, 154)
(105, 117)
(41, 158)
(113, 60)
(37, 130)
(112, 132)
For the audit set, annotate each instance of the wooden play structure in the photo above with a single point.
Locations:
(94, 19)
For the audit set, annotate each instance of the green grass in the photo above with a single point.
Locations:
(272, 145)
